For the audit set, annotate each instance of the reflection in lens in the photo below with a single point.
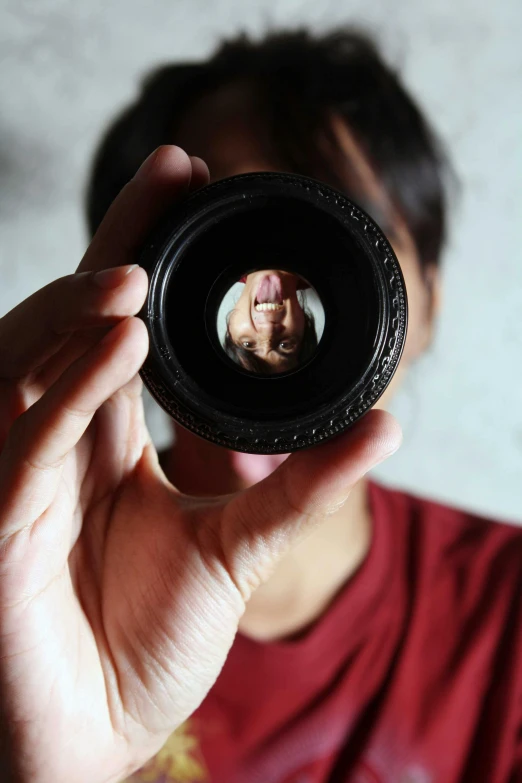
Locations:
(271, 322)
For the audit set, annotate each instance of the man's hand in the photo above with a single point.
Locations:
(120, 597)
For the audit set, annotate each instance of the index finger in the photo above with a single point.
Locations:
(164, 178)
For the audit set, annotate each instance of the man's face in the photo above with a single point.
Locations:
(225, 130)
(268, 319)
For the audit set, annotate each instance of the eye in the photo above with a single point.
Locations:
(247, 344)
(286, 345)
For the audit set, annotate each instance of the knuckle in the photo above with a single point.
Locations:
(61, 287)
(73, 412)
(25, 437)
(68, 297)
(19, 435)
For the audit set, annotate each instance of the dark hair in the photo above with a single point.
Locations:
(302, 80)
(249, 361)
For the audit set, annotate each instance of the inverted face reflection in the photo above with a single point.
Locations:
(272, 321)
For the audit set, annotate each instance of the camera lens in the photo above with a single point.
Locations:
(276, 313)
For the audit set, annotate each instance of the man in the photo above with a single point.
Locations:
(379, 634)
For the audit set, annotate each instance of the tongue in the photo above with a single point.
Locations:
(269, 289)
(255, 467)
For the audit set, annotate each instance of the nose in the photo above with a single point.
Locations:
(264, 327)
(268, 320)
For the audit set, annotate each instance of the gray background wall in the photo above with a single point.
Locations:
(67, 66)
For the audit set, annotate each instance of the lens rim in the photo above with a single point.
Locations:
(175, 390)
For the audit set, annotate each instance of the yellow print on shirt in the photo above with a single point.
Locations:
(179, 761)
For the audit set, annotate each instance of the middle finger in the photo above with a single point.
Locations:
(37, 328)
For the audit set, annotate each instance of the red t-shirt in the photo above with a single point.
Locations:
(413, 675)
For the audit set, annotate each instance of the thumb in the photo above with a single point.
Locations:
(265, 521)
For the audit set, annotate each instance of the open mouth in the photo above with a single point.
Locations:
(269, 294)
(262, 307)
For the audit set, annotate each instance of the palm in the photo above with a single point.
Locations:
(137, 539)
(122, 658)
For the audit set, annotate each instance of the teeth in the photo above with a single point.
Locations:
(263, 306)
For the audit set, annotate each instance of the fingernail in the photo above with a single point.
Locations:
(113, 277)
(389, 453)
(385, 440)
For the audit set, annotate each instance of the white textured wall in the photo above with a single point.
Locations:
(67, 66)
